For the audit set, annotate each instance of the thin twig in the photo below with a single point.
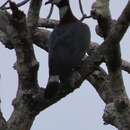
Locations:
(3, 6)
(18, 4)
(81, 7)
(84, 15)
(50, 12)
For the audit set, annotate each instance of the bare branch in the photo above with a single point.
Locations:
(33, 14)
(126, 66)
(27, 67)
(113, 48)
(3, 6)
(99, 79)
(50, 12)
(84, 16)
(101, 82)
(114, 37)
(101, 7)
(81, 7)
(47, 23)
(113, 56)
(18, 4)
(23, 46)
(40, 38)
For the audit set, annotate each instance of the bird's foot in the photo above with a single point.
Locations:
(51, 89)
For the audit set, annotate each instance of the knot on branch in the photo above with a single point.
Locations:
(100, 11)
(122, 104)
(115, 113)
(104, 24)
(100, 8)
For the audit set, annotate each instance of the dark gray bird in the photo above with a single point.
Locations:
(68, 44)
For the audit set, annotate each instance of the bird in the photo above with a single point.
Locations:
(68, 44)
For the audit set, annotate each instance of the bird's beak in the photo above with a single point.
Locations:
(48, 2)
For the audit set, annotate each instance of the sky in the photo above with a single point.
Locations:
(80, 110)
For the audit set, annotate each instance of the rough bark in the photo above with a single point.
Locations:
(20, 33)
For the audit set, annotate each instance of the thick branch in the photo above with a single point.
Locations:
(40, 38)
(114, 61)
(47, 23)
(27, 67)
(126, 66)
(101, 82)
(33, 14)
(92, 61)
(121, 102)
(99, 79)
(22, 43)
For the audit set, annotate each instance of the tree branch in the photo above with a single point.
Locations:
(126, 66)
(101, 82)
(114, 61)
(116, 114)
(18, 4)
(41, 36)
(1, 7)
(33, 14)
(47, 23)
(4, 23)
(30, 98)
(50, 12)
(27, 67)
